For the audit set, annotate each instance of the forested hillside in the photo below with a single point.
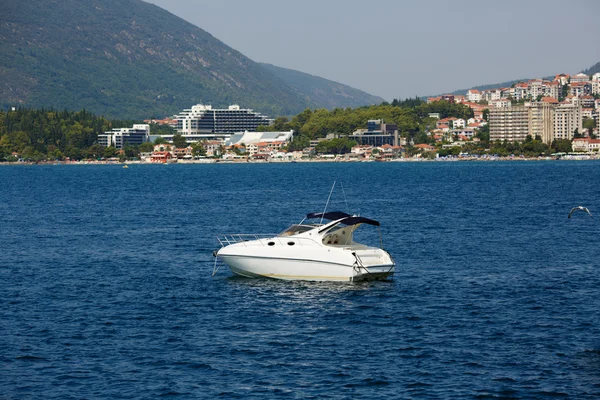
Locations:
(48, 134)
(327, 94)
(130, 59)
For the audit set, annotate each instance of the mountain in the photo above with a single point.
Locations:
(129, 59)
(594, 69)
(328, 94)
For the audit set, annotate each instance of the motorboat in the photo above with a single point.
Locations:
(320, 248)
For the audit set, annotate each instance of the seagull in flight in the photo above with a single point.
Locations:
(580, 208)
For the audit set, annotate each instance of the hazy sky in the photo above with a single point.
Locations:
(399, 49)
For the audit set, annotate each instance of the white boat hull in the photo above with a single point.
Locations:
(307, 268)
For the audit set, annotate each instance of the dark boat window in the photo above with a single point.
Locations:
(291, 243)
(271, 243)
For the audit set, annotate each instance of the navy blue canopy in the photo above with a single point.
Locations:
(331, 215)
(359, 220)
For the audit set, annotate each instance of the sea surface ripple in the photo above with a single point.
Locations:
(106, 288)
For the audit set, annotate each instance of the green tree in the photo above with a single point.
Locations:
(161, 129)
(179, 141)
(95, 151)
(74, 153)
(146, 147)
(110, 152)
(562, 146)
(422, 138)
(484, 133)
(130, 151)
(298, 143)
(198, 149)
(160, 140)
(280, 124)
(589, 124)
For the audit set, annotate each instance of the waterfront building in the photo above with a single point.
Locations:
(247, 138)
(377, 134)
(567, 119)
(263, 148)
(119, 137)
(586, 144)
(213, 148)
(509, 123)
(540, 119)
(202, 122)
(425, 147)
(548, 119)
(185, 153)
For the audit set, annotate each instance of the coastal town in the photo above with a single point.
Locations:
(564, 108)
(560, 113)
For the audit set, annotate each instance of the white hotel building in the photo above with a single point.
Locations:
(202, 122)
(119, 137)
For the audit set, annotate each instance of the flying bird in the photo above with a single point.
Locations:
(580, 208)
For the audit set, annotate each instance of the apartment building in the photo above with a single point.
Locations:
(377, 133)
(509, 123)
(567, 119)
(120, 137)
(540, 119)
(548, 119)
(474, 95)
(581, 77)
(578, 89)
(202, 121)
(491, 94)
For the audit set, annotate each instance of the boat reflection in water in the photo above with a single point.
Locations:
(313, 251)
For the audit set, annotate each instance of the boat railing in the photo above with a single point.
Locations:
(226, 240)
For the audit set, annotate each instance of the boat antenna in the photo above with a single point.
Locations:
(326, 204)
(344, 193)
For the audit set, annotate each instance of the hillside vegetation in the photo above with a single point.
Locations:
(128, 59)
(328, 94)
(594, 69)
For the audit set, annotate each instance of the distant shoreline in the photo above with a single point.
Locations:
(402, 160)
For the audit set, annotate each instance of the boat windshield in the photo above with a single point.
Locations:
(296, 229)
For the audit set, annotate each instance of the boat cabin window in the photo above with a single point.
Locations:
(296, 229)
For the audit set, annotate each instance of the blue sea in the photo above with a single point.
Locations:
(106, 286)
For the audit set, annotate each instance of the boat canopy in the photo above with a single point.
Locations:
(359, 220)
(351, 220)
(331, 215)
